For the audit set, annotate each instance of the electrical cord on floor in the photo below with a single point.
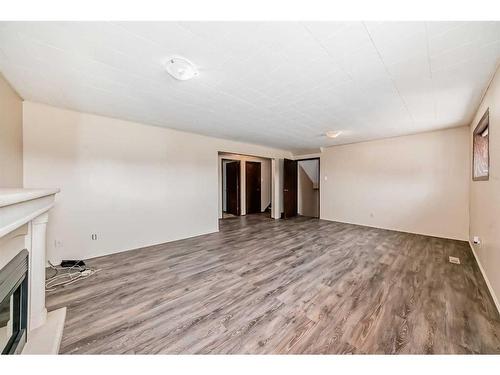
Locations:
(66, 276)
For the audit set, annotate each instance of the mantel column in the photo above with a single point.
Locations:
(38, 314)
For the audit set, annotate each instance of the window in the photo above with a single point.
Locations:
(481, 149)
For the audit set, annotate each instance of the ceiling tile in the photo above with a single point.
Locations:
(280, 84)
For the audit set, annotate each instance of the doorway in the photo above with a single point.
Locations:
(253, 187)
(231, 188)
(290, 183)
(308, 187)
(301, 185)
(246, 185)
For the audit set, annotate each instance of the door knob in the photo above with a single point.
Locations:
(285, 190)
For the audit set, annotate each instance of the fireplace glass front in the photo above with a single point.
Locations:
(14, 304)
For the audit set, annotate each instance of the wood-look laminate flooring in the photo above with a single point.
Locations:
(286, 286)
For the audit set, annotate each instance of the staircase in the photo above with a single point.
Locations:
(310, 167)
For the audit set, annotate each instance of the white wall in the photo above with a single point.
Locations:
(131, 184)
(485, 195)
(11, 136)
(265, 178)
(417, 183)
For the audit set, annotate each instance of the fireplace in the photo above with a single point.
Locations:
(14, 304)
(25, 325)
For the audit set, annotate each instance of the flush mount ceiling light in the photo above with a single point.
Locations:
(333, 134)
(181, 68)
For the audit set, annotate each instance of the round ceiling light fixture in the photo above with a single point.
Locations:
(333, 134)
(181, 68)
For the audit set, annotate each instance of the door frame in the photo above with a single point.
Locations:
(238, 186)
(319, 180)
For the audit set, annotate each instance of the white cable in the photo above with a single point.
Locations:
(71, 274)
(52, 287)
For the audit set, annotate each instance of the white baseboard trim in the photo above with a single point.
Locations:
(490, 288)
(446, 237)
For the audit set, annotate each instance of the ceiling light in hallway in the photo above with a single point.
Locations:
(333, 134)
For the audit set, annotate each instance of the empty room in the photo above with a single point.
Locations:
(249, 187)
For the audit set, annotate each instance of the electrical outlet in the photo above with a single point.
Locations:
(454, 260)
(93, 237)
(58, 243)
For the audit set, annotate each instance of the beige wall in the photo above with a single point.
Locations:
(485, 195)
(307, 202)
(131, 184)
(417, 183)
(11, 136)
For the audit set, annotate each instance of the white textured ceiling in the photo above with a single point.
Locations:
(280, 84)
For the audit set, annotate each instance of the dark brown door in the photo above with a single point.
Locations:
(252, 177)
(233, 188)
(290, 188)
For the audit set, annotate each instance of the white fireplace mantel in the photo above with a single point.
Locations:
(29, 208)
(19, 206)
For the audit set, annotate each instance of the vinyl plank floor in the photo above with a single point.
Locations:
(298, 286)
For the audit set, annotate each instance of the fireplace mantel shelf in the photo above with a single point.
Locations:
(19, 206)
(13, 196)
